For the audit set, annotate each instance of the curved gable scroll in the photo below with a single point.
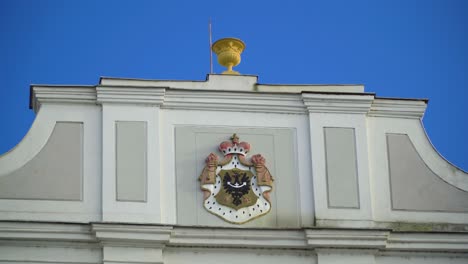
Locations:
(441, 166)
(414, 186)
(55, 173)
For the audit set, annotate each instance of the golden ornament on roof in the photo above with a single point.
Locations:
(228, 51)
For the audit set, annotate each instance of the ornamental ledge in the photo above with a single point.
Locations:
(370, 239)
(245, 101)
(46, 232)
(158, 236)
(427, 242)
(381, 240)
(398, 108)
(130, 235)
(239, 238)
(61, 94)
(234, 101)
(130, 95)
(337, 103)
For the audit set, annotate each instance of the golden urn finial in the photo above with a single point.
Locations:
(228, 51)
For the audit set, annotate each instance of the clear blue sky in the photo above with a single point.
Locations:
(416, 49)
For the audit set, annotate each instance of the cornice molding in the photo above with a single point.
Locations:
(58, 94)
(159, 236)
(337, 103)
(320, 88)
(234, 101)
(398, 108)
(338, 238)
(237, 238)
(130, 95)
(46, 232)
(243, 101)
(132, 235)
(428, 242)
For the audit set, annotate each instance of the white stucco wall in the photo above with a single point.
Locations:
(322, 204)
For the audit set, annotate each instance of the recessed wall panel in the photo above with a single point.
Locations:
(131, 161)
(341, 169)
(195, 143)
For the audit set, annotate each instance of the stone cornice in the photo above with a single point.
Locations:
(234, 101)
(21, 231)
(159, 236)
(222, 82)
(427, 242)
(338, 103)
(61, 94)
(130, 95)
(320, 238)
(298, 88)
(238, 238)
(230, 100)
(336, 238)
(398, 108)
(132, 235)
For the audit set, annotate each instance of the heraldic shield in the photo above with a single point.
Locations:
(236, 189)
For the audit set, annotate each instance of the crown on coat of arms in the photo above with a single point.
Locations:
(234, 147)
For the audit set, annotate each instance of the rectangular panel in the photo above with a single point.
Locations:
(131, 150)
(340, 154)
(194, 144)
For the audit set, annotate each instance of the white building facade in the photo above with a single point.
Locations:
(110, 174)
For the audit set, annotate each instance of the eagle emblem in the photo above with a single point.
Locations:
(234, 188)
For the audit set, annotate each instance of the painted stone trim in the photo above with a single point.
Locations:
(236, 189)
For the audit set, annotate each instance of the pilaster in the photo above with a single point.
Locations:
(131, 172)
(338, 133)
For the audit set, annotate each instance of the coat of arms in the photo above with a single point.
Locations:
(236, 189)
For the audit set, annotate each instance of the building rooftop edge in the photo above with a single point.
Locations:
(241, 75)
(425, 100)
(214, 83)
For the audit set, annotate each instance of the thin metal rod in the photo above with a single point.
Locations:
(211, 52)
